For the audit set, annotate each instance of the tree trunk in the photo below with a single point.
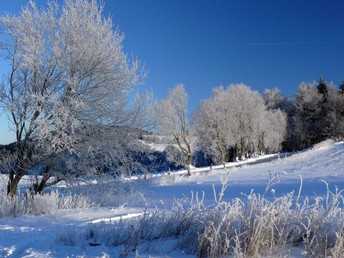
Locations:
(185, 150)
(189, 162)
(12, 185)
(38, 188)
(222, 153)
(236, 151)
(19, 168)
(242, 151)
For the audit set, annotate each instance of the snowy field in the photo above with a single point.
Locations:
(55, 235)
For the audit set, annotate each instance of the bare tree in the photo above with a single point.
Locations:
(68, 71)
(172, 121)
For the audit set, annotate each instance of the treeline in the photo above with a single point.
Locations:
(237, 122)
(315, 113)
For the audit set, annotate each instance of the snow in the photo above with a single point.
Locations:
(38, 236)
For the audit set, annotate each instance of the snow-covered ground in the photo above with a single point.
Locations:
(39, 236)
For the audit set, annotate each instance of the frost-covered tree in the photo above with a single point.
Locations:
(171, 117)
(273, 98)
(236, 119)
(275, 129)
(67, 71)
(211, 125)
(246, 112)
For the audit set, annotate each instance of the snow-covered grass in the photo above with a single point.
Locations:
(41, 204)
(105, 192)
(262, 212)
(251, 228)
(80, 195)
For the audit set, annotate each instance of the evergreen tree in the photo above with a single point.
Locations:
(341, 87)
(308, 115)
(322, 87)
(333, 122)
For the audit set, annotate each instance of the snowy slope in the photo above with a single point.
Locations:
(314, 165)
(37, 236)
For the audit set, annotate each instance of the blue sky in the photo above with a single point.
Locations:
(206, 43)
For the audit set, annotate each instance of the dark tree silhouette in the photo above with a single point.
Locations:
(341, 87)
(322, 87)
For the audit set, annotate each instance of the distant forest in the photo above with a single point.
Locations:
(237, 122)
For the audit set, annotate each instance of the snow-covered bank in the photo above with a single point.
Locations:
(41, 236)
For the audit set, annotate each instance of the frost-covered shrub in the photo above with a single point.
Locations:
(26, 204)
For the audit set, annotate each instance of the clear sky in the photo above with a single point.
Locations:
(207, 43)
